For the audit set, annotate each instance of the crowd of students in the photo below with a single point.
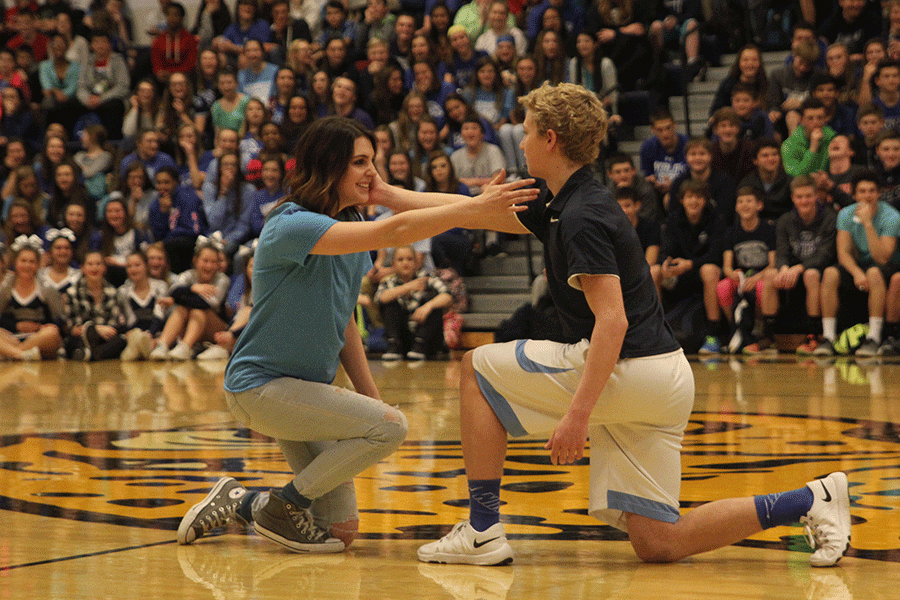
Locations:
(131, 137)
(789, 205)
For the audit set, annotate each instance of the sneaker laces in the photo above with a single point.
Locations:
(815, 533)
(303, 522)
(455, 541)
(219, 517)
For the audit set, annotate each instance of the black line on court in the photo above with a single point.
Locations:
(88, 555)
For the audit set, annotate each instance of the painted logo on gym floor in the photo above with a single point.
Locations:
(150, 478)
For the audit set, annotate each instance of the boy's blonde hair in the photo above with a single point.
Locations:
(574, 113)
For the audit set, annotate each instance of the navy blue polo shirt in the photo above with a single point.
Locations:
(585, 232)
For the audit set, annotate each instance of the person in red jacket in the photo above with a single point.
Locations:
(175, 50)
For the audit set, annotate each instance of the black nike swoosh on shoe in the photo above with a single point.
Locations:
(478, 544)
(827, 495)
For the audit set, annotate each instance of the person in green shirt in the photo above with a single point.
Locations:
(806, 150)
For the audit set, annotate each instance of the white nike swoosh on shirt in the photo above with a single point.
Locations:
(552, 220)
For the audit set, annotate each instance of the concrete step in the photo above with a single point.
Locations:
(509, 265)
(703, 87)
(520, 246)
(769, 58)
(505, 304)
(497, 284)
(717, 73)
(697, 104)
(482, 321)
(698, 115)
(632, 147)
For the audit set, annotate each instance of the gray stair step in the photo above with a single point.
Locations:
(703, 87)
(769, 58)
(505, 304)
(520, 246)
(484, 321)
(717, 73)
(699, 99)
(632, 147)
(696, 115)
(509, 265)
(497, 283)
(642, 132)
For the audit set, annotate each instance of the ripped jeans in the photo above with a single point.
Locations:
(328, 434)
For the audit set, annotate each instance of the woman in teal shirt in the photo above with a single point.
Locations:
(308, 267)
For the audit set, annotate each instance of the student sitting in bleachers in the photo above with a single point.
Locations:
(748, 257)
(870, 122)
(690, 256)
(805, 246)
(867, 255)
(28, 310)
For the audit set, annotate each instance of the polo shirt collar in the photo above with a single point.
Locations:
(558, 201)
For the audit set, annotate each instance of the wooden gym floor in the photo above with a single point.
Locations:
(98, 462)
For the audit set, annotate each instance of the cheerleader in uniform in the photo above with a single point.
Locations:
(28, 309)
(198, 296)
(139, 298)
(59, 272)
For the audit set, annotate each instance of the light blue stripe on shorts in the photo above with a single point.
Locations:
(529, 366)
(501, 407)
(642, 506)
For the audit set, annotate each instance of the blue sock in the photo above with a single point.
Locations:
(245, 511)
(290, 493)
(783, 508)
(484, 503)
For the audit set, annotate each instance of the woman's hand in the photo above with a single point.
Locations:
(380, 193)
(498, 198)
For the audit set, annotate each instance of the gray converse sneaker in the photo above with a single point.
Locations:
(828, 521)
(214, 511)
(293, 527)
(465, 545)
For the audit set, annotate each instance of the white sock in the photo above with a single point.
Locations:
(875, 324)
(829, 328)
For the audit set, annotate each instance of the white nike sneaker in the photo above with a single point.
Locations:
(464, 545)
(828, 521)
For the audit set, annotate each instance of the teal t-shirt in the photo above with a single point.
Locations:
(885, 222)
(301, 303)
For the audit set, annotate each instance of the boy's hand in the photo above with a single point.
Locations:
(417, 285)
(815, 139)
(566, 445)
(864, 212)
(420, 314)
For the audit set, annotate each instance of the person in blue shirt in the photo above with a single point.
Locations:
(308, 267)
(248, 26)
(662, 155)
(176, 218)
(147, 151)
(265, 199)
(228, 202)
(257, 80)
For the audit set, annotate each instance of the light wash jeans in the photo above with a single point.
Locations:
(328, 435)
(510, 137)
